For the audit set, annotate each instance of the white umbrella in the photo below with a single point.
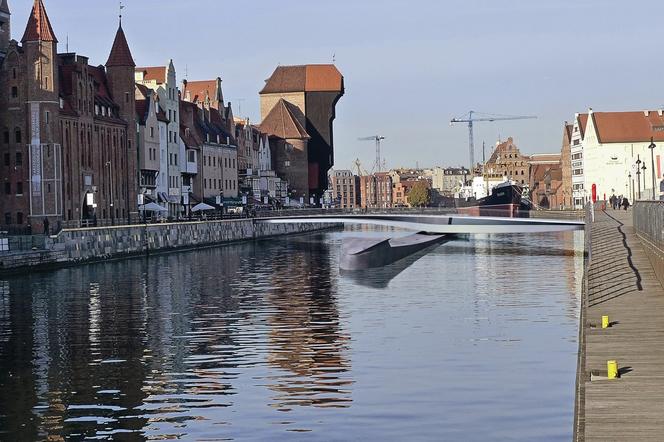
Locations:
(153, 207)
(201, 206)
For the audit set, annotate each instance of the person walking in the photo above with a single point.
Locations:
(46, 226)
(625, 203)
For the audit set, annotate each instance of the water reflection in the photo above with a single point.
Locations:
(251, 341)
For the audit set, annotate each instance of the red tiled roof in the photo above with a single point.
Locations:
(282, 122)
(628, 127)
(305, 78)
(154, 73)
(583, 121)
(39, 27)
(120, 53)
(198, 90)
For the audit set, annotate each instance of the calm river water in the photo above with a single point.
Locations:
(475, 340)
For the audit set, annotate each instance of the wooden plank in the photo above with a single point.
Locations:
(623, 285)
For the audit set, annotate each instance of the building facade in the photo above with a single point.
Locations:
(617, 159)
(345, 189)
(312, 91)
(507, 160)
(163, 81)
(376, 191)
(68, 132)
(566, 166)
(579, 195)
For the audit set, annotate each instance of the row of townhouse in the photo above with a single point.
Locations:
(612, 153)
(82, 144)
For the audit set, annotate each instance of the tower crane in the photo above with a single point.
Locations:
(377, 139)
(470, 119)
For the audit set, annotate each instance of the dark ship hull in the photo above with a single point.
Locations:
(506, 200)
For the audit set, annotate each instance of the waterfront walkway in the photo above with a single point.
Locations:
(621, 283)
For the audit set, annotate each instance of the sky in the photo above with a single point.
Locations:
(409, 66)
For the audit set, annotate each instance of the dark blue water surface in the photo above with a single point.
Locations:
(475, 340)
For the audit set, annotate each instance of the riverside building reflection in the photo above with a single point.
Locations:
(261, 339)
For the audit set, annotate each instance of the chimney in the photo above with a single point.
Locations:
(646, 113)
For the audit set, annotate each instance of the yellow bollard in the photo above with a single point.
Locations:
(605, 322)
(612, 369)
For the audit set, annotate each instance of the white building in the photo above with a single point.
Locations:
(579, 195)
(613, 143)
(163, 80)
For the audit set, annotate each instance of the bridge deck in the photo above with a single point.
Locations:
(623, 285)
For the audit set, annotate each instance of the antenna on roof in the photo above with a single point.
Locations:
(67, 50)
(239, 105)
(334, 58)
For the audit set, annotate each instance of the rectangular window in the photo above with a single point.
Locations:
(152, 132)
(6, 159)
(19, 188)
(8, 218)
(14, 92)
(19, 159)
(47, 117)
(8, 188)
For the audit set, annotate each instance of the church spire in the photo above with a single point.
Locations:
(39, 27)
(120, 53)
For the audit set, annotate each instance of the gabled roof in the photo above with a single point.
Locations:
(39, 26)
(142, 107)
(629, 127)
(583, 121)
(199, 89)
(143, 90)
(304, 78)
(4, 7)
(283, 123)
(154, 73)
(120, 53)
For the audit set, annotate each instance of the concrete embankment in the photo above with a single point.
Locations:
(621, 283)
(72, 246)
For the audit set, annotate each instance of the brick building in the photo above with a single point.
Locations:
(546, 181)
(311, 93)
(507, 160)
(67, 147)
(376, 191)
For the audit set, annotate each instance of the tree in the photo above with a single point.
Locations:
(419, 195)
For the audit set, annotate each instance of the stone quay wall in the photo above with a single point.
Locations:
(72, 246)
(648, 217)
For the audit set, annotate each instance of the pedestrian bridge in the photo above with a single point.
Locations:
(442, 224)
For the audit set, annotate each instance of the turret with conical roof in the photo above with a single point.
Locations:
(39, 26)
(120, 75)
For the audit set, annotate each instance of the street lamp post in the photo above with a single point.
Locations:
(638, 176)
(652, 164)
(643, 168)
(630, 184)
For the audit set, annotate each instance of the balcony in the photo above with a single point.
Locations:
(190, 167)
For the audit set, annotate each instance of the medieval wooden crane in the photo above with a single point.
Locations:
(471, 119)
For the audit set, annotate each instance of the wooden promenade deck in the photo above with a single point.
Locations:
(621, 283)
